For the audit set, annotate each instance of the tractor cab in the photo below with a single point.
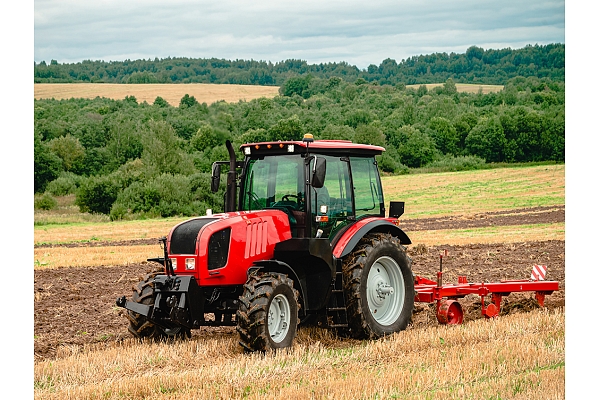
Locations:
(322, 186)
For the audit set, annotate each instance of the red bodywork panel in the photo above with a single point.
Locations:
(352, 230)
(317, 144)
(254, 235)
(349, 234)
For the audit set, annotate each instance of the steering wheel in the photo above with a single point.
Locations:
(298, 199)
(286, 197)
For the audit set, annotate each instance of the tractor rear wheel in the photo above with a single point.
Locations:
(268, 312)
(139, 325)
(379, 287)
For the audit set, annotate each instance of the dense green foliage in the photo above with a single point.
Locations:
(131, 159)
(45, 202)
(476, 65)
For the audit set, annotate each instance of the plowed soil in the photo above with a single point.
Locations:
(76, 306)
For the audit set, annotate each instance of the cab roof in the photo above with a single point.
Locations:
(337, 147)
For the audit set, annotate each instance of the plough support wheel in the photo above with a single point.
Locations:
(450, 313)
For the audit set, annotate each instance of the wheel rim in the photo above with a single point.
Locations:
(385, 290)
(279, 318)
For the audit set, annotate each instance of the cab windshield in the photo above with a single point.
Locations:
(274, 182)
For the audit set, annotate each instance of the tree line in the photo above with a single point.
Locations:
(131, 159)
(476, 65)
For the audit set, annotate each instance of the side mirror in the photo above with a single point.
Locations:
(216, 177)
(318, 173)
(396, 209)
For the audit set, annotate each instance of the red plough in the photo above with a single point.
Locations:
(449, 310)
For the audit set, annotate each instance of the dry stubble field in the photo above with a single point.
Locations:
(82, 348)
(465, 87)
(203, 92)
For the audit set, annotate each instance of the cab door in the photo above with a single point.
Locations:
(332, 205)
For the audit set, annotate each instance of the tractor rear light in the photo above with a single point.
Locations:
(173, 263)
(322, 218)
(190, 264)
(290, 148)
(247, 150)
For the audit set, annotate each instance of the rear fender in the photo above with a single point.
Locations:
(346, 242)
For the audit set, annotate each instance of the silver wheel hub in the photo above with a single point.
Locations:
(279, 318)
(385, 290)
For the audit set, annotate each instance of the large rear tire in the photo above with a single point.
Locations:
(139, 325)
(268, 312)
(379, 287)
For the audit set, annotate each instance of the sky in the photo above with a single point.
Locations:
(357, 32)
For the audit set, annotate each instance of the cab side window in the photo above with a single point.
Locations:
(368, 198)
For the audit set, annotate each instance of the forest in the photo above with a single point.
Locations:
(131, 159)
(476, 65)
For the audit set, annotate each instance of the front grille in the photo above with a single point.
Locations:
(183, 238)
(218, 249)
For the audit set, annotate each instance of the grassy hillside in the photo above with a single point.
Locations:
(470, 192)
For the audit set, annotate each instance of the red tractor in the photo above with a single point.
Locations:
(305, 239)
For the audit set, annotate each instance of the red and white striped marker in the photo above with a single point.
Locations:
(538, 273)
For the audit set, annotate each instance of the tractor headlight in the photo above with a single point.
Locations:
(190, 263)
(247, 150)
(173, 263)
(290, 148)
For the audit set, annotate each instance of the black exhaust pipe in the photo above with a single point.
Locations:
(231, 193)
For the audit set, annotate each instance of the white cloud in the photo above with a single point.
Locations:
(315, 31)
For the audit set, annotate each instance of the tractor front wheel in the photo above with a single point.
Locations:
(139, 325)
(268, 312)
(379, 287)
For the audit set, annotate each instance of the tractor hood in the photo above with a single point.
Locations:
(219, 249)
